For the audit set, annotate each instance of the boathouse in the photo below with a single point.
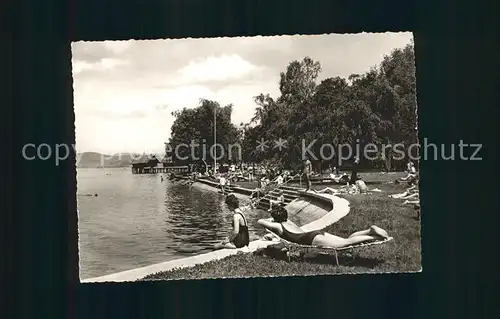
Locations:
(154, 166)
(145, 167)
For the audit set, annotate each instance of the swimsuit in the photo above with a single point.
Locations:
(302, 238)
(242, 239)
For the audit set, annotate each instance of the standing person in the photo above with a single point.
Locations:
(355, 168)
(239, 237)
(286, 176)
(272, 174)
(279, 180)
(307, 173)
(250, 173)
(263, 182)
(222, 183)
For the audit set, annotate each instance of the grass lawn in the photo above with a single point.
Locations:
(400, 255)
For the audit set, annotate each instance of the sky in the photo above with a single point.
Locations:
(125, 91)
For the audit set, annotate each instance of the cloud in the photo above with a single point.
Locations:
(106, 114)
(221, 68)
(102, 65)
(125, 91)
(161, 107)
(90, 52)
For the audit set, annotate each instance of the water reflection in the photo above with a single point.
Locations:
(137, 220)
(196, 219)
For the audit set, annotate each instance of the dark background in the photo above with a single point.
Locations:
(457, 98)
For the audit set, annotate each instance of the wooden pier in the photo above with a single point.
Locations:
(156, 170)
(154, 166)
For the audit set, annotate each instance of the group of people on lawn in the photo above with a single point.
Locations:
(274, 178)
(412, 193)
(280, 225)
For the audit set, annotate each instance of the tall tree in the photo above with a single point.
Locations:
(196, 125)
(378, 107)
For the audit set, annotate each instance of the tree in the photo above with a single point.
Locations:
(298, 82)
(196, 125)
(378, 106)
(276, 119)
(396, 101)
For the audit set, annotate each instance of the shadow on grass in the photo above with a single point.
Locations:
(344, 258)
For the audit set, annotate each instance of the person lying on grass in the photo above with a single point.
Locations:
(288, 230)
(239, 236)
(409, 193)
(412, 202)
(358, 187)
(328, 190)
(411, 196)
(339, 178)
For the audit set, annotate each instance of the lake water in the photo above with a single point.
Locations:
(137, 220)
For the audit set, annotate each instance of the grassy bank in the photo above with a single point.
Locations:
(400, 255)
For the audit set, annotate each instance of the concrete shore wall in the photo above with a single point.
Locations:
(235, 189)
(340, 208)
(213, 187)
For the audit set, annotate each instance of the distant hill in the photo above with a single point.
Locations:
(98, 160)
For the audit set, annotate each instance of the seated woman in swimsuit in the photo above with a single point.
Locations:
(239, 236)
(286, 229)
(412, 173)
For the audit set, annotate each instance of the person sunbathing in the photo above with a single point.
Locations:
(409, 192)
(359, 187)
(412, 202)
(339, 177)
(350, 189)
(410, 196)
(328, 190)
(412, 173)
(288, 230)
(408, 177)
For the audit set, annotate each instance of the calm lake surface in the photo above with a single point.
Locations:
(137, 220)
